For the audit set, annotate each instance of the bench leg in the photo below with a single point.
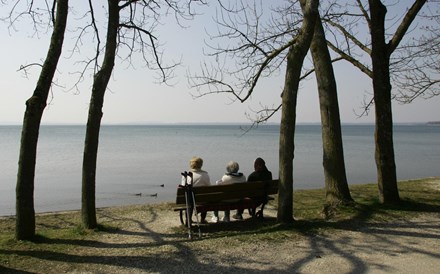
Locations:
(252, 211)
(259, 214)
(181, 216)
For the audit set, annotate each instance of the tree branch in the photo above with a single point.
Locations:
(404, 25)
(351, 59)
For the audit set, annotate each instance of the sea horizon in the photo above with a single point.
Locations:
(152, 123)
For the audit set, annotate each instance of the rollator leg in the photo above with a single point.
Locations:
(188, 206)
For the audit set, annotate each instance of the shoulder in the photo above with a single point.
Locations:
(200, 172)
(253, 176)
(239, 179)
(226, 179)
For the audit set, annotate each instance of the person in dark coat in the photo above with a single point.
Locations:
(261, 173)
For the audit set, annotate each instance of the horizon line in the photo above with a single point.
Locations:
(209, 123)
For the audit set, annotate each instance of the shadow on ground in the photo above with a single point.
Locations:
(135, 247)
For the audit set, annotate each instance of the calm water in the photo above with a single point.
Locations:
(139, 159)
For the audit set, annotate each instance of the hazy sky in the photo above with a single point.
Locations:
(134, 97)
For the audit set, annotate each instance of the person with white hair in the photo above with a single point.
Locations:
(231, 176)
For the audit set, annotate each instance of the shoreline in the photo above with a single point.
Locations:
(434, 179)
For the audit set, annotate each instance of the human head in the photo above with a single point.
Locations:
(232, 167)
(196, 163)
(259, 164)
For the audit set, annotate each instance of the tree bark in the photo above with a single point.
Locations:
(380, 55)
(25, 211)
(384, 152)
(336, 185)
(295, 59)
(101, 79)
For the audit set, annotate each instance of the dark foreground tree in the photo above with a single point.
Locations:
(25, 220)
(100, 82)
(295, 58)
(381, 51)
(129, 30)
(260, 51)
(336, 185)
(380, 47)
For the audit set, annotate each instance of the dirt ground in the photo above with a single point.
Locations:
(149, 240)
(412, 246)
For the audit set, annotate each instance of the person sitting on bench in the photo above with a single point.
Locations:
(231, 176)
(200, 178)
(261, 173)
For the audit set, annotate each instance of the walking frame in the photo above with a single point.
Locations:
(190, 202)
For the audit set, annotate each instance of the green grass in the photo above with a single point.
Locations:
(417, 196)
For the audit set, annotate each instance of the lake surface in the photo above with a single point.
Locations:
(140, 158)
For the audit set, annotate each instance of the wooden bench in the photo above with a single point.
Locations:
(248, 195)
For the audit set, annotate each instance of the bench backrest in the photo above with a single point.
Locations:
(218, 193)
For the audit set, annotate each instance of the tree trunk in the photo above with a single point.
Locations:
(384, 153)
(287, 143)
(295, 59)
(25, 221)
(101, 79)
(336, 185)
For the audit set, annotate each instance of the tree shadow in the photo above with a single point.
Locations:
(7, 270)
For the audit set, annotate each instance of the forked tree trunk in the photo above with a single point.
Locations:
(380, 55)
(101, 79)
(384, 153)
(25, 211)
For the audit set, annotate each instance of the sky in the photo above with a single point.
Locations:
(134, 97)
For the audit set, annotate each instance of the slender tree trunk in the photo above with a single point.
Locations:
(287, 143)
(295, 59)
(25, 221)
(384, 153)
(101, 79)
(336, 185)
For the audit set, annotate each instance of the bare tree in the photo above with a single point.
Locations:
(101, 79)
(262, 50)
(130, 29)
(352, 48)
(25, 211)
(336, 184)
